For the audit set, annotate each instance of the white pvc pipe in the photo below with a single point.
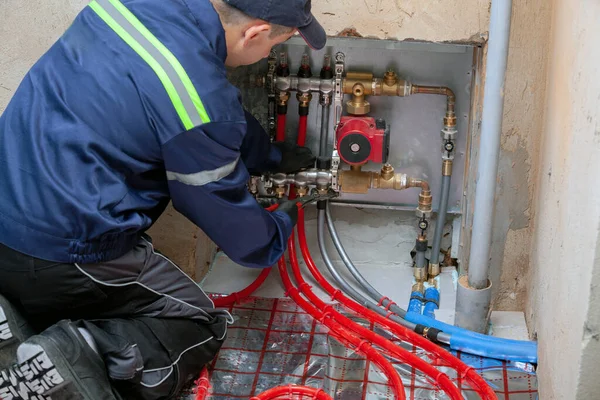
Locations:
(489, 147)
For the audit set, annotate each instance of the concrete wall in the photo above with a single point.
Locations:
(29, 27)
(564, 307)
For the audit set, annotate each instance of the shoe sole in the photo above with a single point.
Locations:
(14, 329)
(48, 374)
(53, 352)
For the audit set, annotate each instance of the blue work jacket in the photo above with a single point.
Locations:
(129, 109)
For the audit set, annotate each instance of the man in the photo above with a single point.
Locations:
(129, 109)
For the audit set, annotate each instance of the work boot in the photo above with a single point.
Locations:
(57, 364)
(14, 330)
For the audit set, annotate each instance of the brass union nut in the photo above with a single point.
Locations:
(360, 108)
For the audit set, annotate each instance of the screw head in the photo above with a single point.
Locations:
(355, 147)
(423, 225)
(449, 146)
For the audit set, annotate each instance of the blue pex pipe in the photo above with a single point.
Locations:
(416, 302)
(433, 295)
(479, 344)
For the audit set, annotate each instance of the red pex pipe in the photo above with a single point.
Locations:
(236, 297)
(202, 385)
(397, 352)
(343, 335)
(281, 120)
(472, 377)
(292, 390)
(302, 128)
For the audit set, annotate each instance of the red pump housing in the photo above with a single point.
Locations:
(361, 139)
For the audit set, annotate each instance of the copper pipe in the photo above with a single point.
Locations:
(450, 119)
(441, 90)
(424, 185)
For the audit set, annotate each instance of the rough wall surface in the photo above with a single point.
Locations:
(438, 21)
(565, 284)
(522, 127)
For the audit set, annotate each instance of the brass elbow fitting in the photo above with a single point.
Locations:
(424, 209)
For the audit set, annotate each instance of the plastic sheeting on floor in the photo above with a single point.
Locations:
(274, 343)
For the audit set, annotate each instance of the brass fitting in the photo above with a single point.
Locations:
(301, 191)
(358, 105)
(280, 191)
(392, 85)
(420, 274)
(419, 287)
(322, 191)
(387, 172)
(396, 182)
(447, 168)
(365, 79)
(359, 182)
(450, 119)
(355, 181)
(284, 98)
(390, 78)
(434, 270)
(304, 98)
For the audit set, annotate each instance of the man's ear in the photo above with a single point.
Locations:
(255, 31)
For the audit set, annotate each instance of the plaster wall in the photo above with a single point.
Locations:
(564, 289)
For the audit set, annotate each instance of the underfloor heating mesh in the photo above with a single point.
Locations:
(274, 343)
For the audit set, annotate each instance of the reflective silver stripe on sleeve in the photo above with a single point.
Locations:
(203, 177)
(158, 56)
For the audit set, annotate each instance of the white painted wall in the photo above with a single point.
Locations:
(565, 303)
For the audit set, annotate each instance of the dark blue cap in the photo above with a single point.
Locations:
(292, 13)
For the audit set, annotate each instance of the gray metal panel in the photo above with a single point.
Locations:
(415, 121)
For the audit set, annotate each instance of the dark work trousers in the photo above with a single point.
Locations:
(154, 327)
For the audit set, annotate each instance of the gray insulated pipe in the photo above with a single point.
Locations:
(343, 284)
(375, 295)
(474, 291)
(324, 142)
(441, 220)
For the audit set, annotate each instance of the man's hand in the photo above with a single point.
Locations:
(290, 207)
(293, 158)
